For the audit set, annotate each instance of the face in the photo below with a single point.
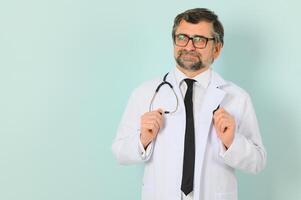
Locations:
(191, 58)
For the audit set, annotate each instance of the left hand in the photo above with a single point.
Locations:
(224, 124)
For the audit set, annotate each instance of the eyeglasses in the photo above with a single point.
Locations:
(198, 41)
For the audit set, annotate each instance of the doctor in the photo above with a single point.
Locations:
(198, 128)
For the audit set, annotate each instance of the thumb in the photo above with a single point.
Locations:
(160, 110)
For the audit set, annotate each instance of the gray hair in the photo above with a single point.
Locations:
(197, 15)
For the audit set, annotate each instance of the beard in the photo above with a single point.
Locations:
(190, 60)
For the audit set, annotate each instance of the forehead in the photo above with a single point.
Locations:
(202, 28)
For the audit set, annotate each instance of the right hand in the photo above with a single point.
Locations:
(151, 122)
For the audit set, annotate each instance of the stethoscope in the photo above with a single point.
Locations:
(164, 82)
(171, 87)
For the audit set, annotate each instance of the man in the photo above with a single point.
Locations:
(198, 128)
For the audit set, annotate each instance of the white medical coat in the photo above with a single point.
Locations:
(214, 177)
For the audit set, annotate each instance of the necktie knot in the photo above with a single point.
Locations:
(189, 82)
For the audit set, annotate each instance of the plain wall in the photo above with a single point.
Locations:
(68, 67)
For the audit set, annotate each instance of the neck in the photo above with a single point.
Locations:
(191, 74)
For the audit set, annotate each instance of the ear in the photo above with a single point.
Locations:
(217, 49)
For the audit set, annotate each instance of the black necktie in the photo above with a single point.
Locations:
(189, 147)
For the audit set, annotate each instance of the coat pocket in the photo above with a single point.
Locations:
(226, 196)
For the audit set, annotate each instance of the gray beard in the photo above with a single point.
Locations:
(195, 66)
(191, 67)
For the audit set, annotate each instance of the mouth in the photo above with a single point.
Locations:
(189, 53)
(189, 57)
(189, 60)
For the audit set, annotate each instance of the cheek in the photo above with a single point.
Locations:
(207, 55)
(176, 51)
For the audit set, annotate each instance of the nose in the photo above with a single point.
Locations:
(190, 45)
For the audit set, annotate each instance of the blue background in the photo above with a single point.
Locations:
(67, 68)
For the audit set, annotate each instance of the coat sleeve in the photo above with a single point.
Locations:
(127, 147)
(247, 152)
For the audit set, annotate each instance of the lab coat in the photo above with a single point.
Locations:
(214, 177)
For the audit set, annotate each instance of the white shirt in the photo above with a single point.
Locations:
(199, 88)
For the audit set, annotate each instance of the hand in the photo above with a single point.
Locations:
(151, 122)
(224, 124)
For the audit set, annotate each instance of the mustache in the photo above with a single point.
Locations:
(192, 53)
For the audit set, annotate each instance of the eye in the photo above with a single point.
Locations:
(181, 37)
(199, 39)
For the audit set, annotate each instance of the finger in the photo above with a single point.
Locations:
(160, 110)
(149, 121)
(159, 122)
(159, 113)
(219, 116)
(216, 125)
(150, 127)
(230, 120)
(151, 115)
(218, 110)
(153, 123)
(224, 126)
(159, 119)
(150, 118)
(230, 124)
(157, 116)
(220, 124)
(154, 112)
(156, 123)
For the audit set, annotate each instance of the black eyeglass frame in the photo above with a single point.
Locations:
(191, 38)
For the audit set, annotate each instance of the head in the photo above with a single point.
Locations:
(198, 38)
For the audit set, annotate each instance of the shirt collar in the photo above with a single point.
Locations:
(201, 79)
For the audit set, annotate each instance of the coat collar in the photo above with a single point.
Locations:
(215, 80)
(202, 79)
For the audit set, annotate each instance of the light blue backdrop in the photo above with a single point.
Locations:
(67, 68)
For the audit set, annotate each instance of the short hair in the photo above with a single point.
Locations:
(197, 15)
